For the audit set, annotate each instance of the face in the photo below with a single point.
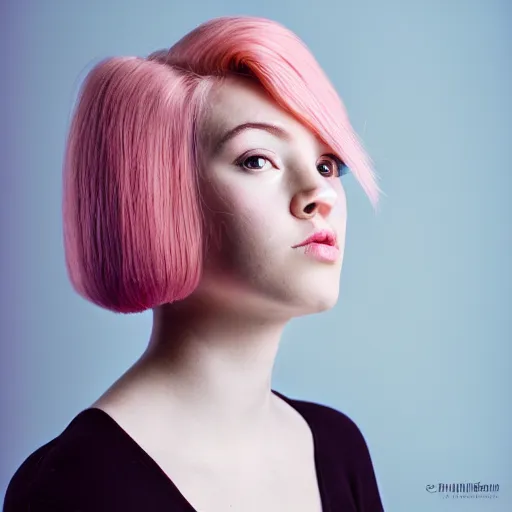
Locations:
(267, 189)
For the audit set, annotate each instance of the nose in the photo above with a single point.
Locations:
(319, 199)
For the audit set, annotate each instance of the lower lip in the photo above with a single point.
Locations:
(321, 252)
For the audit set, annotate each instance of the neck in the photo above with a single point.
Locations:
(213, 365)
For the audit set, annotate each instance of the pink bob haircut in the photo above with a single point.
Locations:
(133, 224)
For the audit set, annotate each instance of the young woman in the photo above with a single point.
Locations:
(203, 182)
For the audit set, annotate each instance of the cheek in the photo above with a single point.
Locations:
(241, 202)
(251, 220)
(238, 218)
(340, 208)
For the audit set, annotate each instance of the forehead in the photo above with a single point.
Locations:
(239, 100)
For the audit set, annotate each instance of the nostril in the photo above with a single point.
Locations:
(310, 207)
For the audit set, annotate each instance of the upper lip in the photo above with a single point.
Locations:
(324, 236)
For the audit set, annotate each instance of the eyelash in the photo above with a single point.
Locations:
(341, 167)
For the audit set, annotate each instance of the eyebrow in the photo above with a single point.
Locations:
(271, 128)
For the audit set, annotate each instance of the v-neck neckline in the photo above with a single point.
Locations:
(176, 492)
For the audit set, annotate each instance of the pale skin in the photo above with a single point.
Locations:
(199, 399)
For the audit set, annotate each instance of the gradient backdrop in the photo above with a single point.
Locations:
(418, 350)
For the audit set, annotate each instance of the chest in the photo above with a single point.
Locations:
(276, 473)
(272, 484)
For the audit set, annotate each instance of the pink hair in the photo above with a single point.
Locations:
(133, 222)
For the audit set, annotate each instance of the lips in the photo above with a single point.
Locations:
(321, 246)
(324, 236)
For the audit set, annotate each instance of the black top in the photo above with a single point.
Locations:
(95, 466)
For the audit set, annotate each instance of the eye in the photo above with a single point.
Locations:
(332, 166)
(253, 162)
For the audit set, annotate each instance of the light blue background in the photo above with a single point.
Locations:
(418, 350)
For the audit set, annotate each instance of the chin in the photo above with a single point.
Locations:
(325, 304)
(318, 293)
(320, 302)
